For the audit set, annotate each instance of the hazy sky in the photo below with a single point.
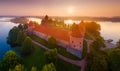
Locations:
(97, 8)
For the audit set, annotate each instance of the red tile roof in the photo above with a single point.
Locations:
(76, 32)
(55, 32)
(61, 34)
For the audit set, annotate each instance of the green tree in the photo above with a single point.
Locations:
(25, 26)
(114, 59)
(33, 68)
(20, 37)
(49, 67)
(97, 62)
(10, 60)
(51, 56)
(19, 67)
(118, 44)
(12, 37)
(97, 44)
(20, 26)
(93, 28)
(52, 40)
(84, 51)
(27, 46)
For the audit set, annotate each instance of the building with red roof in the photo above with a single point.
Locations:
(71, 40)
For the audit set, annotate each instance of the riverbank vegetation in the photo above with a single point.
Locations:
(33, 58)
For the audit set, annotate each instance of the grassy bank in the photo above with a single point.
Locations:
(60, 49)
(37, 59)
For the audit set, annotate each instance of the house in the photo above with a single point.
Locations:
(71, 40)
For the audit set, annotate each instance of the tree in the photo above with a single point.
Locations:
(12, 37)
(84, 51)
(52, 40)
(46, 17)
(25, 26)
(45, 20)
(49, 67)
(97, 62)
(20, 26)
(27, 46)
(51, 56)
(20, 37)
(10, 60)
(97, 44)
(19, 67)
(118, 43)
(93, 28)
(73, 26)
(17, 35)
(114, 59)
(33, 68)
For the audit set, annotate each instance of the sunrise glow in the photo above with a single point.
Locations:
(70, 10)
(59, 35)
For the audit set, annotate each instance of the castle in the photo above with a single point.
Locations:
(71, 40)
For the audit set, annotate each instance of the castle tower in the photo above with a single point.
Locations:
(76, 40)
(31, 26)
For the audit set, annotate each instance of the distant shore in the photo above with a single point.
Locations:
(111, 19)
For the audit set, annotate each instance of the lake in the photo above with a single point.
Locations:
(109, 30)
(4, 30)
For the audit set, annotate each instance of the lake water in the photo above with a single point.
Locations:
(109, 30)
(4, 29)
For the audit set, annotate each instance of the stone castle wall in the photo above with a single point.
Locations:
(64, 44)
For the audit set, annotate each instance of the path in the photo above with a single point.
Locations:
(79, 63)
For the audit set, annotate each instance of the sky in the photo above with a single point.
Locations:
(94, 8)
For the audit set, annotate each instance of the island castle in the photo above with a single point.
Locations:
(71, 40)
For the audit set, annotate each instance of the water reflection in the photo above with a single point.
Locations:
(4, 29)
(38, 20)
(110, 30)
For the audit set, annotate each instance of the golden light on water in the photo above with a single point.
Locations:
(38, 20)
(69, 22)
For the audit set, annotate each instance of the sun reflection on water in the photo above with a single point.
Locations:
(69, 22)
(38, 20)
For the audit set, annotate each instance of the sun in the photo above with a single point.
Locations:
(70, 10)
